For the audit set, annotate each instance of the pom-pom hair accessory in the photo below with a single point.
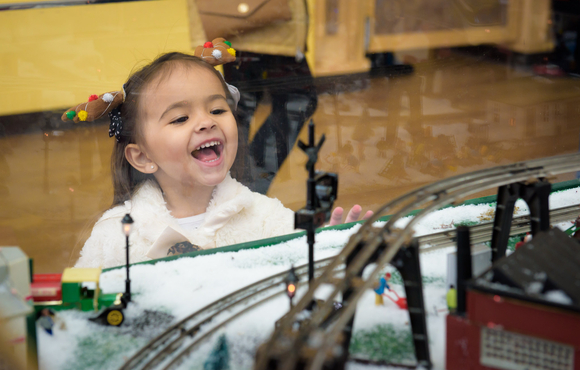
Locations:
(97, 107)
(215, 52)
(83, 115)
(94, 108)
(108, 97)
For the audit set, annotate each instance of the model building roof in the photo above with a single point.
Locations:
(78, 275)
(546, 269)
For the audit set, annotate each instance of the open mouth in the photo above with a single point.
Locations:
(208, 152)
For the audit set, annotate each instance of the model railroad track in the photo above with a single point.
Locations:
(313, 344)
(183, 334)
(209, 319)
(482, 233)
(164, 345)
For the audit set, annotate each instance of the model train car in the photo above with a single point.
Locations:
(77, 288)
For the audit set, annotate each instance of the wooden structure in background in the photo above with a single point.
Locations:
(342, 32)
(336, 37)
(54, 57)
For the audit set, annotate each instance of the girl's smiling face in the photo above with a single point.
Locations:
(187, 128)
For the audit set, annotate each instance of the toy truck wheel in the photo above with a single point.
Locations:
(115, 317)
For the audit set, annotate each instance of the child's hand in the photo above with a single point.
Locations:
(353, 215)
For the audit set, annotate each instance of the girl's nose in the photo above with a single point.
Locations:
(205, 123)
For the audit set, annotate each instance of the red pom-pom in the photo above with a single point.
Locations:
(208, 45)
(93, 97)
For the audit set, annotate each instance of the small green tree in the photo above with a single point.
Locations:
(219, 358)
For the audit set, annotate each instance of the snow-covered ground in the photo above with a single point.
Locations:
(182, 286)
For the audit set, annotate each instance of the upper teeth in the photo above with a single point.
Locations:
(207, 145)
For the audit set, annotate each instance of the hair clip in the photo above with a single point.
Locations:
(116, 124)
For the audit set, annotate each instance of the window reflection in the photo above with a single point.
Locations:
(406, 92)
(427, 15)
(278, 96)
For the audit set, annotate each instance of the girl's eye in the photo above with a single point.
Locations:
(218, 111)
(180, 119)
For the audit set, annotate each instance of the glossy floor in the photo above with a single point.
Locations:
(384, 137)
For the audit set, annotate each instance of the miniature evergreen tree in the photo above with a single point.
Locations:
(219, 358)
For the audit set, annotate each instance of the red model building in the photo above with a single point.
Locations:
(523, 313)
(46, 287)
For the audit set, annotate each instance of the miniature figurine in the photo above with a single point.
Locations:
(46, 320)
(577, 224)
(380, 288)
(526, 238)
(520, 243)
(452, 298)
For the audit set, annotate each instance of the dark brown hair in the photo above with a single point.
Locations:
(126, 178)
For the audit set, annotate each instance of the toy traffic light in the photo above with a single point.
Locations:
(291, 284)
(321, 192)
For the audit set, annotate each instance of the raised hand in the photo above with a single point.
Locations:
(353, 215)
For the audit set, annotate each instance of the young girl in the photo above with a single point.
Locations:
(176, 142)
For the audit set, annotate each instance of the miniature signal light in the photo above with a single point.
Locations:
(291, 281)
(291, 289)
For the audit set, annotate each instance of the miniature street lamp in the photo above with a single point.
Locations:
(127, 225)
(291, 283)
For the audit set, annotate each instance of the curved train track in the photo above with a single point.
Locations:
(312, 345)
(169, 348)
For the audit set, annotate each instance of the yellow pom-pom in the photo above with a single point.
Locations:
(232, 51)
(83, 115)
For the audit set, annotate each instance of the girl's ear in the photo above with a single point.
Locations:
(139, 159)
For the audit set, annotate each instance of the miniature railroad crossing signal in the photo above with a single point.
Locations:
(322, 189)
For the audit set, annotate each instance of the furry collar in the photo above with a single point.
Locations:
(153, 220)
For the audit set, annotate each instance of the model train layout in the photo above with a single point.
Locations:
(291, 345)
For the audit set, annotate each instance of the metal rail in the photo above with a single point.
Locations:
(157, 351)
(289, 348)
(482, 232)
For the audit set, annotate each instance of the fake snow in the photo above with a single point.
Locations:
(178, 288)
(558, 296)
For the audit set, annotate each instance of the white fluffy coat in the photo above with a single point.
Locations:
(234, 215)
